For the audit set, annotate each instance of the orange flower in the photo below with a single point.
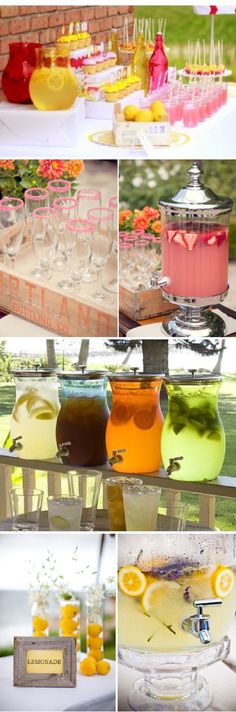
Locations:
(156, 226)
(140, 222)
(74, 168)
(150, 213)
(7, 165)
(51, 169)
(124, 215)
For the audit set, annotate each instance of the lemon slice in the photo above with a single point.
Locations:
(154, 590)
(55, 81)
(222, 581)
(131, 580)
(60, 523)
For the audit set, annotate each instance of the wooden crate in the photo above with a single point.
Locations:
(131, 133)
(143, 303)
(46, 305)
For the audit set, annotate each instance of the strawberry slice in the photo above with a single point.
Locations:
(212, 240)
(179, 239)
(171, 234)
(221, 235)
(190, 239)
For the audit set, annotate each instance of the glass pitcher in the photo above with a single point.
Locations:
(82, 420)
(193, 438)
(53, 85)
(18, 70)
(135, 424)
(34, 416)
(176, 620)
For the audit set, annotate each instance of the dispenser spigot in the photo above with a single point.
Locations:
(63, 449)
(135, 369)
(174, 464)
(157, 281)
(116, 457)
(199, 625)
(16, 445)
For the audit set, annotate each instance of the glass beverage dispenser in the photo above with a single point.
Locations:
(82, 420)
(34, 416)
(135, 424)
(193, 438)
(176, 604)
(195, 247)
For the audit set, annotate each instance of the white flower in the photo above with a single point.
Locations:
(137, 181)
(152, 183)
(163, 173)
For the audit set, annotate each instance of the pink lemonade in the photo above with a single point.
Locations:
(196, 259)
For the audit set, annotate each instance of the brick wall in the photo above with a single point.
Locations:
(43, 23)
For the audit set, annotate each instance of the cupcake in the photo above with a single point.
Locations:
(99, 63)
(89, 65)
(111, 93)
(105, 61)
(112, 59)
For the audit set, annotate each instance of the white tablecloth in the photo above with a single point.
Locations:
(213, 139)
(91, 693)
(221, 679)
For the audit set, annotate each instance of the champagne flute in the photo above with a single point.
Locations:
(88, 199)
(34, 198)
(67, 210)
(44, 237)
(12, 222)
(111, 285)
(79, 240)
(102, 223)
(58, 188)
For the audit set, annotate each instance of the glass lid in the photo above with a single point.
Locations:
(193, 377)
(82, 375)
(37, 372)
(135, 377)
(196, 197)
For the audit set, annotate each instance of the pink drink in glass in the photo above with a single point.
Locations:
(195, 258)
(191, 114)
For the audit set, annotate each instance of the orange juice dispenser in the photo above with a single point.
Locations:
(135, 423)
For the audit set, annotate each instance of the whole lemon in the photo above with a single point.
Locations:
(88, 666)
(144, 115)
(103, 667)
(157, 106)
(130, 112)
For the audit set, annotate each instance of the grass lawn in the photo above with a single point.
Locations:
(183, 24)
(225, 508)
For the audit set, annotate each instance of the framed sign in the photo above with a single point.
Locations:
(45, 662)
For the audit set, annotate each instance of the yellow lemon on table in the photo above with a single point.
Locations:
(222, 581)
(130, 112)
(144, 115)
(88, 666)
(103, 667)
(157, 106)
(131, 580)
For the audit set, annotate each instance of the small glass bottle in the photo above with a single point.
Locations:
(141, 63)
(94, 625)
(40, 618)
(158, 65)
(70, 619)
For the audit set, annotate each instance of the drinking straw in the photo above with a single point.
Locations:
(153, 28)
(126, 32)
(164, 27)
(204, 52)
(135, 29)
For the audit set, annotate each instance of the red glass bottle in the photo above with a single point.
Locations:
(158, 65)
(17, 73)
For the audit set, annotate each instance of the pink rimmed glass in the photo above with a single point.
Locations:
(88, 199)
(126, 261)
(102, 223)
(12, 224)
(79, 248)
(44, 238)
(68, 210)
(58, 188)
(35, 198)
(111, 285)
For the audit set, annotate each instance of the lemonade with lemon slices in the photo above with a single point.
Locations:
(53, 85)
(157, 595)
(34, 417)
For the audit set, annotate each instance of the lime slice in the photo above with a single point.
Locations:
(55, 81)
(60, 523)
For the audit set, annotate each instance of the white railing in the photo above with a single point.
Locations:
(29, 472)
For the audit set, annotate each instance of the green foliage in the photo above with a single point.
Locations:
(144, 182)
(183, 24)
